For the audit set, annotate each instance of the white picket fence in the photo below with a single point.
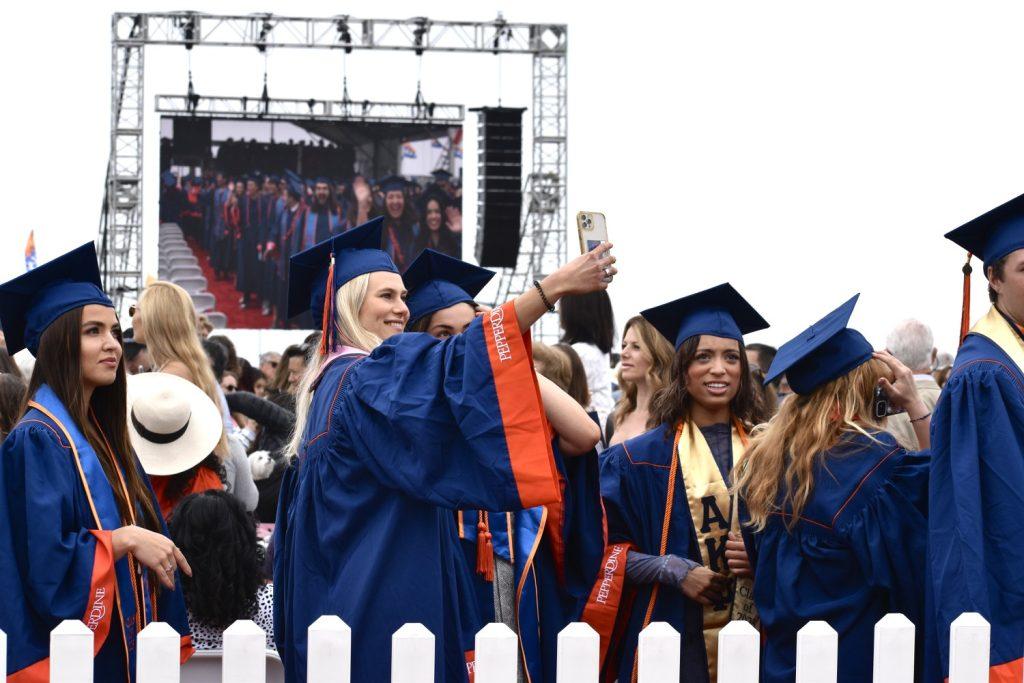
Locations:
(412, 653)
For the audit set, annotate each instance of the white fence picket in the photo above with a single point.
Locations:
(817, 651)
(71, 653)
(497, 654)
(329, 651)
(658, 654)
(969, 637)
(579, 651)
(158, 658)
(412, 655)
(739, 653)
(893, 661)
(245, 658)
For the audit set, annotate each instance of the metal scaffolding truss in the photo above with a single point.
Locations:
(544, 211)
(272, 109)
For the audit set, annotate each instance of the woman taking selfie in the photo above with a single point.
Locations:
(666, 492)
(837, 507)
(645, 368)
(81, 536)
(549, 552)
(393, 432)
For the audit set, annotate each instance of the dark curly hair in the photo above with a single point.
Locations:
(218, 538)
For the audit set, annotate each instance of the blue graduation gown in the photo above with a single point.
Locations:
(855, 554)
(56, 559)
(252, 211)
(976, 526)
(634, 485)
(394, 443)
(555, 551)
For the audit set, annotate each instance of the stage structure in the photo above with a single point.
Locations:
(544, 225)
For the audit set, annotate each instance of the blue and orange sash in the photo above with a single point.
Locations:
(135, 610)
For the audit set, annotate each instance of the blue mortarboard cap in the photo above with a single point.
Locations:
(168, 179)
(719, 312)
(274, 178)
(31, 302)
(356, 252)
(296, 187)
(824, 351)
(322, 179)
(995, 234)
(441, 174)
(393, 183)
(436, 281)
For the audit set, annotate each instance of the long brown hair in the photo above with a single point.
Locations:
(103, 420)
(672, 403)
(783, 453)
(659, 351)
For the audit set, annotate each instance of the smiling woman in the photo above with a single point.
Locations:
(675, 569)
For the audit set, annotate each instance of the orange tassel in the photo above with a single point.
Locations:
(327, 322)
(965, 311)
(484, 548)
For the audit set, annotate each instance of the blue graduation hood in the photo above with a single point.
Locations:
(719, 312)
(31, 302)
(436, 281)
(356, 252)
(826, 350)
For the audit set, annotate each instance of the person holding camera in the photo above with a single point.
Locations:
(837, 508)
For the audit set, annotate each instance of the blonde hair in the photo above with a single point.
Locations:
(169, 324)
(556, 365)
(783, 452)
(347, 302)
(660, 353)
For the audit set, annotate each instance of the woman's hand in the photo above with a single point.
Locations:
(586, 273)
(154, 551)
(902, 393)
(705, 586)
(736, 556)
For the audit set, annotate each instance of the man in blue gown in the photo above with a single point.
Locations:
(976, 525)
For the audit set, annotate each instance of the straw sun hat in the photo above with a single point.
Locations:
(172, 424)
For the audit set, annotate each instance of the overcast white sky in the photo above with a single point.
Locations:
(802, 150)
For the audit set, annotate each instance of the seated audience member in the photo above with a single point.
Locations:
(289, 373)
(268, 364)
(218, 538)
(229, 348)
(761, 355)
(12, 396)
(943, 366)
(911, 343)
(136, 358)
(229, 382)
(645, 367)
(837, 509)
(589, 327)
(174, 427)
(203, 326)
(273, 428)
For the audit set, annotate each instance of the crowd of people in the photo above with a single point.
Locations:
(250, 224)
(419, 459)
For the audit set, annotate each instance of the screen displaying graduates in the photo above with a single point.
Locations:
(246, 206)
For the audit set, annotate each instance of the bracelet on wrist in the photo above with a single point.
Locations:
(543, 297)
(923, 417)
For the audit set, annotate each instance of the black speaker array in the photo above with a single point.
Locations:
(500, 175)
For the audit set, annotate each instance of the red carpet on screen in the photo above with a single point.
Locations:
(227, 296)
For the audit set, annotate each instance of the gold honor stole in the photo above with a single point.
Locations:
(714, 514)
(994, 327)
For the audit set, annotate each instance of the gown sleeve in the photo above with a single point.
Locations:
(51, 565)
(888, 533)
(458, 422)
(976, 554)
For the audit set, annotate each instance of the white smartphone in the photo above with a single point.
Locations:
(592, 228)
